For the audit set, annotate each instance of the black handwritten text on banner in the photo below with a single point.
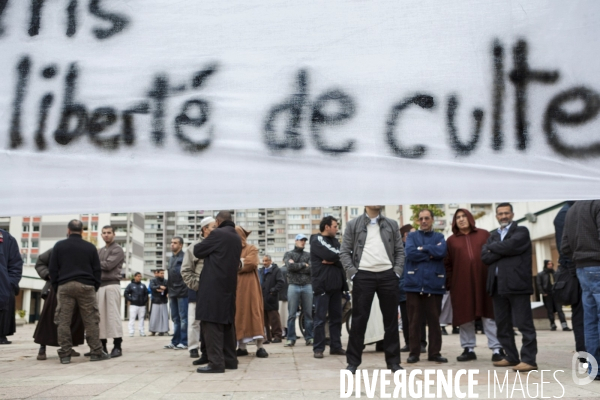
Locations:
(386, 102)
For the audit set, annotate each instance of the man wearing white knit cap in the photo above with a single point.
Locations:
(191, 267)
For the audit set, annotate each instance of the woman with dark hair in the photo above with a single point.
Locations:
(545, 282)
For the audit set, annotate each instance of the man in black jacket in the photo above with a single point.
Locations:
(581, 242)
(215, 307)
(508, 254)
(328, 284)
(136, 294)
(271, 281)
(566, 265)
(75, 275)
(11, 270)
(545, 281)
(178, 297)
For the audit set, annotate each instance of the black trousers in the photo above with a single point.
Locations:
(577, 322)
(424, 307)
(202, 341)
(220, 344)
(328, 303)
(517, 306)
(406, 325)
(552, 306)
(364, 286)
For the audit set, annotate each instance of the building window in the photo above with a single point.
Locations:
(36, 227)
(24, 243)
(33, 258)
(25, 227)
(354, 212)
(35, 243)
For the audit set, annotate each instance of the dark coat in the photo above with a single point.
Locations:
(326, 277)
(158, 297)
(272, 283)
(11, 268)
(467, 274)
(424, 270)
(221, 252)
(283, 292)
(136, 294)
(512, 258)
(177, 287)
(545, 280)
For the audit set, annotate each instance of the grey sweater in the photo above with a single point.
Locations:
(581, 235)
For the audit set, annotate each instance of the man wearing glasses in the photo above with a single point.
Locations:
(425, 285)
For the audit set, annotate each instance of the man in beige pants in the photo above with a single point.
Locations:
(109, 293)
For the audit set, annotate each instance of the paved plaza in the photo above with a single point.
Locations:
(147, 371)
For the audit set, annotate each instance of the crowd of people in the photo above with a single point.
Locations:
(220, 300)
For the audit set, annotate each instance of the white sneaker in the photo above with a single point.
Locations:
(180, 346)
(142, 334)
(169, 346)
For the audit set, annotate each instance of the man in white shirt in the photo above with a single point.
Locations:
(373, 257)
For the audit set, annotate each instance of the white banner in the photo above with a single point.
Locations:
(110, 105)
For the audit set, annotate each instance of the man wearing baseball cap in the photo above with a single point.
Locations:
(191, 267)
(297, 262)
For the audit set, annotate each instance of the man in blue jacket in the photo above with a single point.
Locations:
(425, 285)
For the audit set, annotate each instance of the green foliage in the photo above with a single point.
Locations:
(416, 208)
(22, 313)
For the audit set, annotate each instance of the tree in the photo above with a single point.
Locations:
(416, 208)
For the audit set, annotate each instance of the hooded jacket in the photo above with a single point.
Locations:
(249, 317)
(511, 258)
(136, 293)
(467, 274)
(424, 270)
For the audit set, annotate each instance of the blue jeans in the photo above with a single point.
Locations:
(300, 294)
(179, 315)
(589, 278)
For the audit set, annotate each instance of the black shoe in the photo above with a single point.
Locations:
(567, 329)
(423, 349)
(65, 360)
(267, 342)
(499, 356)
(87, 354)
(241, 353)
(202, 360)
(5, 341)
(194, 353)
(553, 327)
(99, 357)
(276, 341)
(404, 349)
(262, 353)
(337, 352)
(444, 332)
(210, 370)
(438, 359)
(412, 359)
(116, 353)
(467, 356)
(351, 368)
(394, 367)
(455, 330)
